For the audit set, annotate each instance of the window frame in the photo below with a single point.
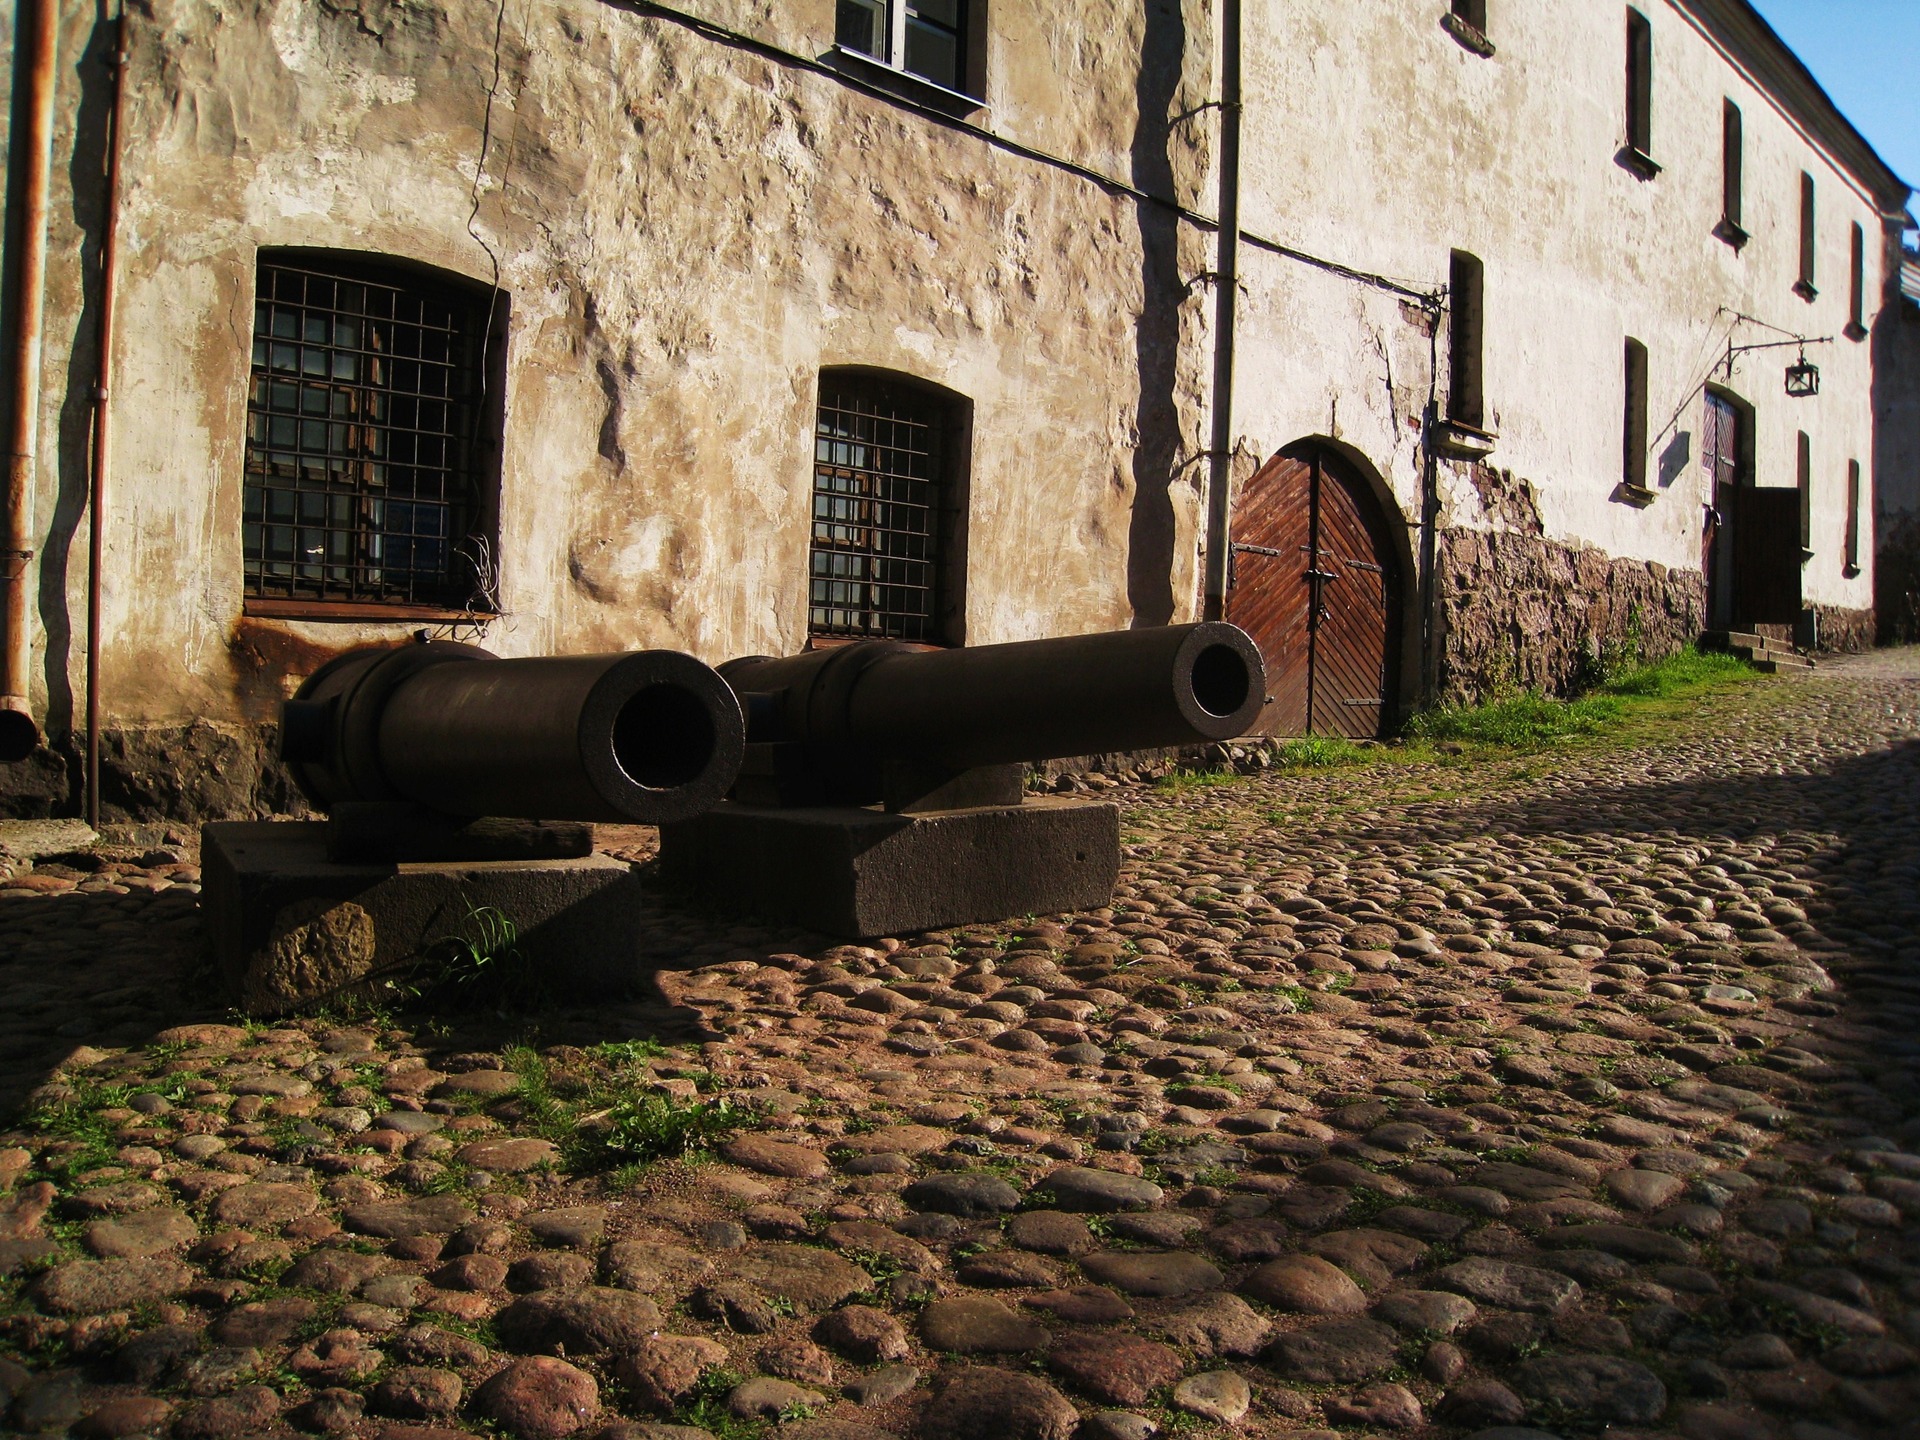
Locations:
(1809, 238)
(485, 311)
(951, 415)
(1466, 340)
(888, 65)
(1850, 563)
(1856, 326)
(1634, 423)
(1732, 178)
(1466, 22)
(1637, 153)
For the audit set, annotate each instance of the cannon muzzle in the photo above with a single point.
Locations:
(649, 737)
(856, 708)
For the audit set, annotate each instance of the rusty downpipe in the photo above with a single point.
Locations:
(102, 419)
(19, 734)
(1219, 552)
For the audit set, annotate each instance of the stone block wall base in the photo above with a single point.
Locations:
(862, 873)
(1845, 632)
(291, 928)
(1517, 610)
(198, 771)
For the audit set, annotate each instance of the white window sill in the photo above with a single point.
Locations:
(904, 83)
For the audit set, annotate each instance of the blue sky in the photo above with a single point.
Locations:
(1866, 54)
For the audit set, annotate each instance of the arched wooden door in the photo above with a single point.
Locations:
(1316, 584)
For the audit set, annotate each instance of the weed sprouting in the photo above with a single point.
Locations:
(601, 1121)
(658, 1127)
(1319, 752)
(1179, 781)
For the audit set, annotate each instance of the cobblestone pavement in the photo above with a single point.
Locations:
(1540, 1096)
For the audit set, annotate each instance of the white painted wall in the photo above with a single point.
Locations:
(1373, 137)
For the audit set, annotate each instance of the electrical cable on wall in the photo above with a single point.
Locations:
(1429, 297)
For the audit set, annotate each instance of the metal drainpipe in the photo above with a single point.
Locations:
(102, 427)
(19, 735)
(1226, 292)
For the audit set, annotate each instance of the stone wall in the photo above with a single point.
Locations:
(1520, 610)
(203, 770)
(1843, 631)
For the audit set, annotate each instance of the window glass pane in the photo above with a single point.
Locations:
(933, 54)
(861, 25)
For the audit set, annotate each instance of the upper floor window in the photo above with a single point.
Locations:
(889, 500)
(1852, 560)
(1732, 160)
(1466, 398)
(933, 39)
(369, 469)
(1466, 21)
(1857, 284)
(1639, 148)
(1803, 287)
(1634, 431)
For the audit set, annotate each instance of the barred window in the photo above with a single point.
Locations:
(888, 483)
(367, 476)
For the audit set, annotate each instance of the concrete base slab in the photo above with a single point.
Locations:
(861, 873)
(292, 928)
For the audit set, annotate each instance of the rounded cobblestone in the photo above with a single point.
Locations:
(1466, 1092)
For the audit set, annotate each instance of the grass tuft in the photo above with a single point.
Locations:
(1529, 720)
(601, 1119)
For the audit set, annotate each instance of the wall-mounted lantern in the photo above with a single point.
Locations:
(1803, 378)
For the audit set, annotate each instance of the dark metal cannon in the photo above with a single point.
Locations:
(652, 736)
(941, 739)
(880, 721)
(461, 791)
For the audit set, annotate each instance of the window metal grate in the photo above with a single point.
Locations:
(877, 497)
(360, 468)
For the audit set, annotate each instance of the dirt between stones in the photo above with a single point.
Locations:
(1546, 1092)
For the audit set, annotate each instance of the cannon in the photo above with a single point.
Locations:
(864, 789)
(939, 741)
(880, 721)
(647, 737)
(460, 791)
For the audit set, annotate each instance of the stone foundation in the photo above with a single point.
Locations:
(199, 771)
(1845, 632)
(1521, 611)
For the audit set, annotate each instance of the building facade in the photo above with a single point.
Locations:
(736, 327)
(1896, 412)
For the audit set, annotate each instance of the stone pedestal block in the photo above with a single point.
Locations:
(291, 927)
(859, 872)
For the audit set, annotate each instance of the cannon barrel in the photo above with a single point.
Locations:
(1000, 704)
(651, 737)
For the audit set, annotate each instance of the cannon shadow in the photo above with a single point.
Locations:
(89, 973)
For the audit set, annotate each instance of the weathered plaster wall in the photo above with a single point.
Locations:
(685, 232)
(1512, 159)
